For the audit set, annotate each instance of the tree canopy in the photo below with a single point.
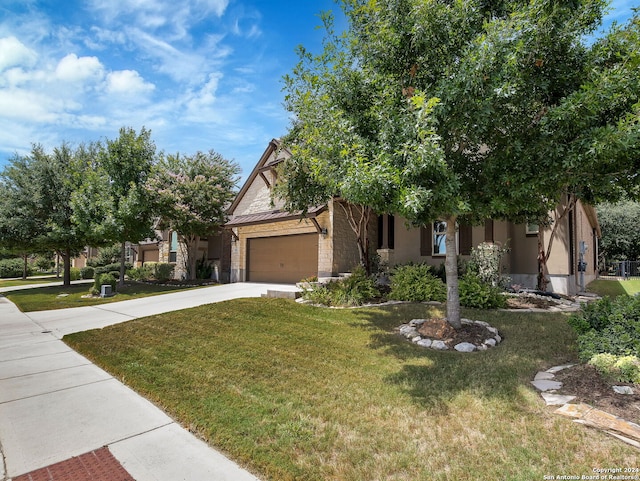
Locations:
(190, 194)
(459, 111)
(620, 233)
(36, 209)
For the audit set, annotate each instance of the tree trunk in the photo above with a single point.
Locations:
(66, 281)
(24, 267)
(192, 253)
(543, 281)
(451, 267)
(123, 252)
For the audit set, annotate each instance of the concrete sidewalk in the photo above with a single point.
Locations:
(55, 404)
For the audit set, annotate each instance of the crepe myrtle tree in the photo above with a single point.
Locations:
(441, 110)
(190, 194)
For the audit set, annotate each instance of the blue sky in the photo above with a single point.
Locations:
(201, 74)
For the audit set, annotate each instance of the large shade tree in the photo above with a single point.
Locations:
(112, 203)
(449, 111)
(37, 213)
(190, 194)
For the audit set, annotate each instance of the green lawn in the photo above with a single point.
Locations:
(59, 297)
(614, 288)
(296, 392)
(24, 282)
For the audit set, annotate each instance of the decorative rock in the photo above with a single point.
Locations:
(424, 342)
(440, 345)
(465, 347)
(417, 322)
(484, 324)
(483, 347)
(490, 342)
(600, 419)
(416, 339)
(408, 332)
(623, 389)
(541, 376)
(492, 330)
(546, 385)
(497, 338)
(556, 369)
(556, 399)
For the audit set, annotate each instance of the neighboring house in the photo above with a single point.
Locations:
(270, 244)
(167, 248)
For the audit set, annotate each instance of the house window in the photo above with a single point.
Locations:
(532, 229)
(173, 247)
(433, 239)
(439, 238)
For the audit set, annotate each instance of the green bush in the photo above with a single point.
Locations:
(608, 326)
(103, 279)
(151, 271)
(74, 273)
(44, 263)
(354, 290)
(618, 368)
(113, 268)
(416, 282)
(475, 293)
(87, 272)
(13, 268)
(163, 271)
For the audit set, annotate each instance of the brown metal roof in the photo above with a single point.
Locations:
(272, 216)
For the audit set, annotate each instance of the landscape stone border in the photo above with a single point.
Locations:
(410, 332)
(621, 429)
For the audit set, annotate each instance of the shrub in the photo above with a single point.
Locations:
(44, 263)
(608, 326)
(87, 272)
(204, 268)
(103, 279)
(475, 293)
(115, 275)
(618, 368)
(112, 267)
(354, 290)
(416, 282)
(13, 268)
(485, 263)
(74, 273)
(163, 271)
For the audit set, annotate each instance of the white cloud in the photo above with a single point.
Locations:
(77, 69)
(127, 82)
(13, 53)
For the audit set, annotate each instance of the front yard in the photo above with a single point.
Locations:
(296, 392)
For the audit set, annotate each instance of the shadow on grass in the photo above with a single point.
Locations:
(531, 341)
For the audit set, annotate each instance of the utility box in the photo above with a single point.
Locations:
(106, 290)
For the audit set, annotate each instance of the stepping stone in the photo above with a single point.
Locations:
(556, 369)
(600, 419)
(623, 389)
(556, 399)
(546, 385)
(542, 376)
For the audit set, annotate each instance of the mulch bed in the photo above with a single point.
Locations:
(591, 388)
(440, 329)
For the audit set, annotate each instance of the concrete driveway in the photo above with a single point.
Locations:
(55, 404)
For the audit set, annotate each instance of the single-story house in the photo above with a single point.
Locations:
(269, 244)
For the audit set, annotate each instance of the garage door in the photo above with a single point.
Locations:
(285, 259)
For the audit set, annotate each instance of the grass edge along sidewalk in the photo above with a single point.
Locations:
(296, 392)
(60, 297)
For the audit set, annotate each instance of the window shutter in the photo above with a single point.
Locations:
(426, 233)
(465, 239)
(488, 230)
